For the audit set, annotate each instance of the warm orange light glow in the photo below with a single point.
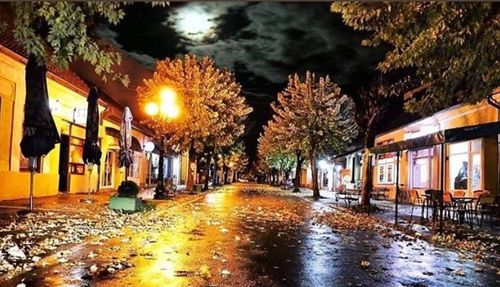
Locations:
(170, 111)
(152, 109)
(167, 107)
(168, 96)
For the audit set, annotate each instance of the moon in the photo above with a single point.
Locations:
(195, 24)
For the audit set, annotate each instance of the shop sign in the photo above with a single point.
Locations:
(80, 116)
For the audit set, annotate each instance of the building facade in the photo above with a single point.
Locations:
(470, 162)
(62, 170)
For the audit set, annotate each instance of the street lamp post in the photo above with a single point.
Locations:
(163, 110)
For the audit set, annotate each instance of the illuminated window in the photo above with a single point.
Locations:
(108, 170)
(133, 170)
(421, 168)
(386, 171)
(464, 165)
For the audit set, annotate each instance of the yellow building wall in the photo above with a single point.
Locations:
(15, 184)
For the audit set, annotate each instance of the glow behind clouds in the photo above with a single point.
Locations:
(193, 22)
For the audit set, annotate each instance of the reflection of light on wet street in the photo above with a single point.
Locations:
(169, 269)
(215, 199)
(232, 238)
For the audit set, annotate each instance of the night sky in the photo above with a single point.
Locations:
(262, 43)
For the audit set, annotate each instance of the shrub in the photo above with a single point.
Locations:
(128, 189)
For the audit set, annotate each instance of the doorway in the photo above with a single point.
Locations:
(63, 163)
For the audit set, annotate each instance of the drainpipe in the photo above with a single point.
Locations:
(397, 188)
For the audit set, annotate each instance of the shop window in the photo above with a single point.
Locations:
(133, 170)
(464, 165)
(76, 165)
(108, 170)
(421, 168)
(386, 171)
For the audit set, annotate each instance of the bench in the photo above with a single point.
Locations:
(379, 192)
(348, 195)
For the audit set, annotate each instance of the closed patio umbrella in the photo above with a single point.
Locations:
(125, 157)
(39, 129)
(91, 151)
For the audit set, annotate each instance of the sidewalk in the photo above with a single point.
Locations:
(388, 212)
(75, 202)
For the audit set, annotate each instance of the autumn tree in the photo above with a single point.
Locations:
(453, 46)
(371, 105)
(318, 113)
(279, 138)
(212, 110)
(235, 161)
(60, 32)
(274, 154)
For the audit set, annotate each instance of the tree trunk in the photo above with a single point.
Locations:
(298, 169)
(225, 170)
(207, 170)
(314, 173)
(190, 178)
(221, 179)
(160, 187)
(367, 169)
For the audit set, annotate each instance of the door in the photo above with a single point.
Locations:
(108, 170)
(63, 163)
(7, 90)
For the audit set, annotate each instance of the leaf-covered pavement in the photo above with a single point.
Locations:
(245, 235)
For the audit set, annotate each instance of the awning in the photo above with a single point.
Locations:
(472, 132)
(446, 136)
(420, 142)
(136, 145)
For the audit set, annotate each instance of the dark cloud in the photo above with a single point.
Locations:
(261, 42)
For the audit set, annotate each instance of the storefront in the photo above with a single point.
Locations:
(62, 169)
(465, 167)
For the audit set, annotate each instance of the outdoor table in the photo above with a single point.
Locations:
(461, 203)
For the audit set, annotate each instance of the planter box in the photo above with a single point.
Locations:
(125, 203)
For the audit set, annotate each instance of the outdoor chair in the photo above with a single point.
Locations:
(415, 199)
(450, 206)
(477, 193)
(458, 193)
(436, 198)
(432, 200)
(487, 204)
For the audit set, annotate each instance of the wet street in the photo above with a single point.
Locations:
(243, 235)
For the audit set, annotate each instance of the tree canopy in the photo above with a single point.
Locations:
(452, 46)
(315, 111)
(59, 32)
(212, 111)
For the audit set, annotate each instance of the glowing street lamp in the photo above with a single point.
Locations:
(166, 109)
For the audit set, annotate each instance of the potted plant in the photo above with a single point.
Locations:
(126, 199)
